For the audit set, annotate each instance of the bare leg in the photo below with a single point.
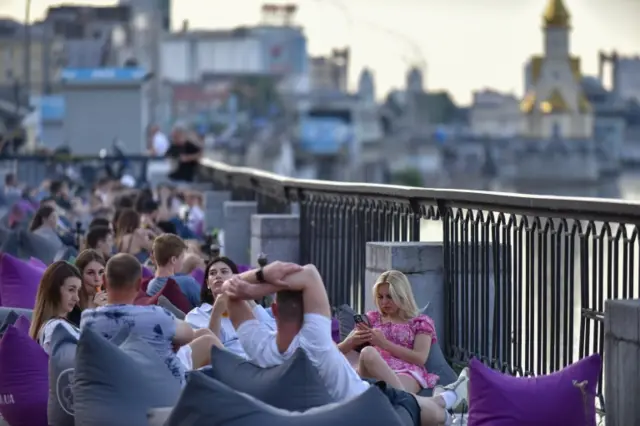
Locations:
(201, 347)
(354, 359)
(372, 366)
(409, 383)
(431, 413)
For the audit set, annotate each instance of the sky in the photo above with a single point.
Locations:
(462, 45)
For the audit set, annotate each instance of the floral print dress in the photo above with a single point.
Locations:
(404, 335)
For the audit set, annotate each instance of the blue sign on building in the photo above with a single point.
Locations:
(103, 74)
(324, 135)
(52, 108)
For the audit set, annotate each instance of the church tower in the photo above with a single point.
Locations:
(554, 105)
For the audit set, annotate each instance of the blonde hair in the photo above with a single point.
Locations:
(400, 291)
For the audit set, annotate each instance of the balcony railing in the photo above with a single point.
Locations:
(526, 276)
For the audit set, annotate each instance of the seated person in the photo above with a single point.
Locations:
(212, 312)
(191, 262)
(131, 237)
(168, 253)
(194, 214)
(11, 187)
(90, 264)
(100, 239)
(45, 223)
(58, 294)
(101, 222)
(303, 318)
(401, 335)
(154, 324)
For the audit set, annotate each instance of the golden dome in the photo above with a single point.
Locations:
(556, 15)
(554, 104)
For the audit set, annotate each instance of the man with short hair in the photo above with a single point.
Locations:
(303, 320)
(168, 252)
(100, 238)
(153, 324)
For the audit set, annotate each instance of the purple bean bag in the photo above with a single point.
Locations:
(146, 272)
(497, 399)
(244, 268)
(23, 324)
(335, 330)
(37, 262)
(24, 380)
(198, 275)
(19, 282)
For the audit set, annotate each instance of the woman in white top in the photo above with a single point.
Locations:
(212, 314)
(45, 223)
(58, 293)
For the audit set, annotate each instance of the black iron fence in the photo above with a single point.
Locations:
(526, 276)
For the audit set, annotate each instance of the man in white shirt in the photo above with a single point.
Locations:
(303, 318)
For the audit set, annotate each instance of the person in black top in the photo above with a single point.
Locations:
(187, 155)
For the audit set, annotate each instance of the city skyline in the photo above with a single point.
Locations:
(484, 45)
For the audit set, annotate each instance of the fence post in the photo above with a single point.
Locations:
(277, 236)
(622, 362)
(214, 209)
(237, 230)
(421, 262)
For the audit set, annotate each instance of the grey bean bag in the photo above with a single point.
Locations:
(436, 362)
(24, 245)
(294, 385)
(118, 385)
(9, 319)
(233, 408)
(62, 363)
(5, 311)
(165, 303)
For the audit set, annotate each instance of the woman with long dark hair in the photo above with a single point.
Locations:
(91, 265)
(212, 312)
(45, 223)
(58, 294)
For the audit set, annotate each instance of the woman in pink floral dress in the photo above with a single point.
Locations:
(401, 335)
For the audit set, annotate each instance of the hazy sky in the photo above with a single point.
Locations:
(466, 44)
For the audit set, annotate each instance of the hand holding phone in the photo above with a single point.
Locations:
(362, 319)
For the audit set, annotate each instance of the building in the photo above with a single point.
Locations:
(44, 58)
(330, 73)
(555, 106)
(495, 115)
(625, 74)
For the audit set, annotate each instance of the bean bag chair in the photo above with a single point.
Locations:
(24, 381)
(6, 311)
(62, 363)
(172, 291)
(198, 275)
(497, 399)
(147, 273)
(136, 381)
(9, 319)
(25, 245)
(23, 324)
(37, 262)
(294, 385)
(67, 253)
(19, 282)
(436, 362)
(233, 408)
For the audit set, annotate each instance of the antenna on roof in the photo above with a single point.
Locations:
(279, 14)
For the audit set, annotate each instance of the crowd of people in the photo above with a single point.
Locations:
(128, 231)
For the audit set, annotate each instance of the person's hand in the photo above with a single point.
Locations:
(238, 288)
(358, 337)
(377, 338)
(275, 272)
(220, 304)
(100, 299)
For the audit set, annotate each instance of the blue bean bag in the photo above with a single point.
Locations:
(232, 408)
(62, 363)
(294, 385)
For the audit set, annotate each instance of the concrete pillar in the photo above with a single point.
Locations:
(622, 362)
(275, 235)
(214, 209)
(237, 230)
(421, 262)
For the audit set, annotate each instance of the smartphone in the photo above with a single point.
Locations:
(362, 319)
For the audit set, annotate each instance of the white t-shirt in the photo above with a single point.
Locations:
(341, 380)
(160, 144)
(199, 318)
(47, 331)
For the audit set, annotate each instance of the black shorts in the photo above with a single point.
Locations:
(405, 404)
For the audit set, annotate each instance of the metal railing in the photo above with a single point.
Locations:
(526, 276)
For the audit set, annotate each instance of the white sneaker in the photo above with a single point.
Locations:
(461, 388)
